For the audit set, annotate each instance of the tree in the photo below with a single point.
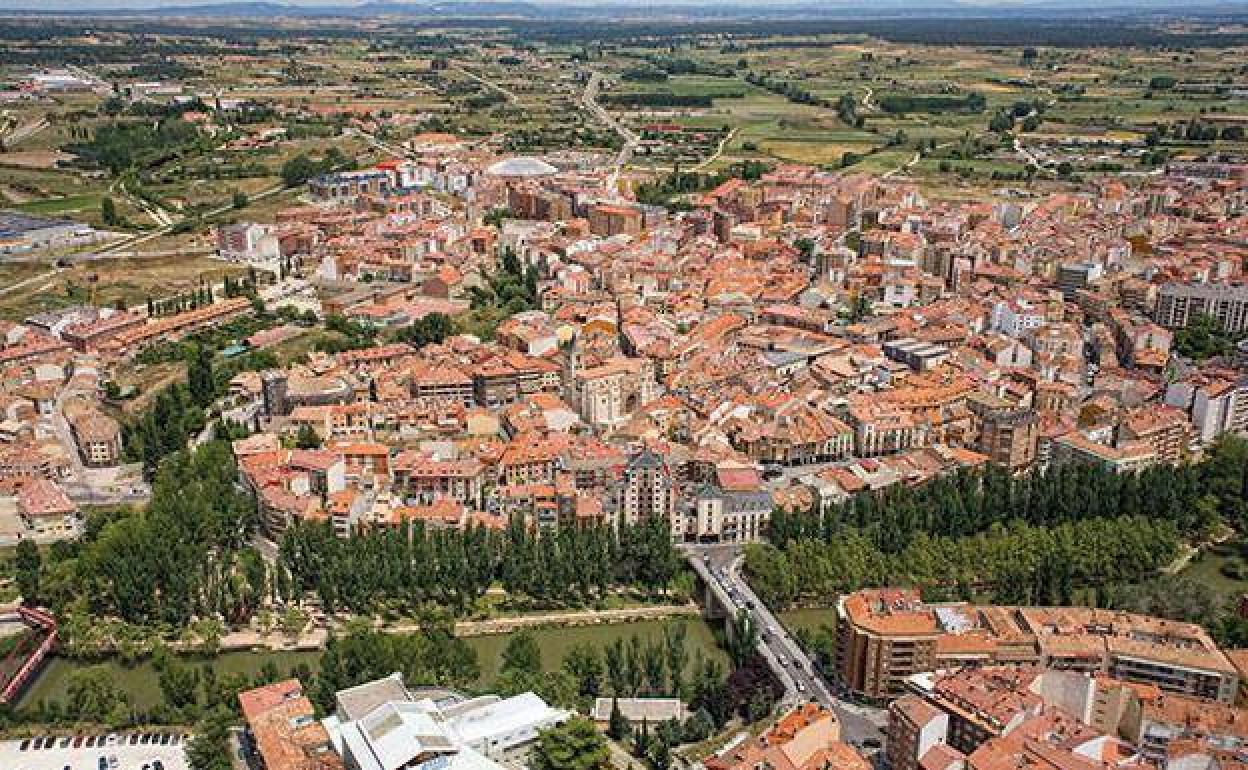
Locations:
(744, 637)
(178, 684)
(239, 200)
(617, 727)
(27, 564)
(108, 212)
(522, 655)
(210, 749)
(574, 745)
(93, 695)
(584, 663)
(307, 437)
(298, 170)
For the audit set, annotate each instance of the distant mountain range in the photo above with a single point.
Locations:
(587, 9)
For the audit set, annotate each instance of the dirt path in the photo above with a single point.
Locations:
(314, 638)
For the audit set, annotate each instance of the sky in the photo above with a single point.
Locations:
(86, 5)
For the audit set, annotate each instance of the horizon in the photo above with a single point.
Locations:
(868, 9)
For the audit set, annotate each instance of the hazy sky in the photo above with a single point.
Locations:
(83, 5)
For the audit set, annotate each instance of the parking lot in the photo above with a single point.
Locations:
(119, 751)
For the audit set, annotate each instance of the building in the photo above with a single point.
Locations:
(807, 738)
(249, 242)
(1180, 304)
(607, 395)
(1214, 405)
(915, 727)
(29, 232)
(282, 731)
(1073, 277)
(647, 489)
(886, 636)
(651, 711)
(46, 510)
(1007, 435)
(916, 354)
(883, 638)
(99, 439)
(347, 186)
(607, 219)
(381, 725)
(734, 508)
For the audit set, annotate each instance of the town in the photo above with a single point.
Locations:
(388, 394)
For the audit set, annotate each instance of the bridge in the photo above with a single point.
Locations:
(723, 592)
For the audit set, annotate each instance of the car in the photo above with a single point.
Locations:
(78, 739)
(145, 739)
(24, 745)
(871, 743)
(113, 764)
(65, 742)
(158, 765)
(103, 764)
(164, 739)
(134, 739)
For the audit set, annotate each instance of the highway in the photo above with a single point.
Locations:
(590, 101)
(722, 563)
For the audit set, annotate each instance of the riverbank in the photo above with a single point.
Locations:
(315, 638)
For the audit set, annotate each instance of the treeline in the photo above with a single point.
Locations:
(1192, 497)
(667, 99)
(121, 146)
(902, 103)
(1032, 539)
(1014, 563)
(412, 565)
(789, 90)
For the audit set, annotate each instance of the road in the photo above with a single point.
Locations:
(782, 652)
(154, 234)
(506, 93)
(24, 131)
(718, 151)
(378, 144)
(589, 99)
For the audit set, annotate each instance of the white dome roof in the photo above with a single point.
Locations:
(522, 166)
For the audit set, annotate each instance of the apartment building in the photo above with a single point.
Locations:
(1180, 304)
(885, 636)
(647, 489)
(915, 727)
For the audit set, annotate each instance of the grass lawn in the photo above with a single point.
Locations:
(67, 205)
(1206, 567)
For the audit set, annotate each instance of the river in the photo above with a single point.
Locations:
(140, 681)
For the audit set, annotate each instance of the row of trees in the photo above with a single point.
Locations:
(412, 565)
(1193, 498)
(1016, 563)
